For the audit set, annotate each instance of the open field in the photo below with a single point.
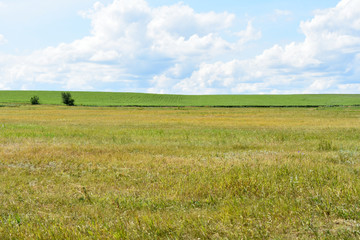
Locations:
(141, 99)
(179, 173)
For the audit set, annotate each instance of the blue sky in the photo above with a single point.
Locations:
(187, 47)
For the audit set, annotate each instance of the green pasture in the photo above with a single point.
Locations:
(142, 99)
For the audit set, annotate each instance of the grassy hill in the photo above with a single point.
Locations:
(143, 99)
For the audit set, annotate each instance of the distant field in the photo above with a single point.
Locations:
(141, 99)
(179, 173)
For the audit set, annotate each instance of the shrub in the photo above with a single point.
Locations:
(34, 100)
(67, 99)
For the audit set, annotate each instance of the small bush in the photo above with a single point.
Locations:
(67, 99)
(34, 100)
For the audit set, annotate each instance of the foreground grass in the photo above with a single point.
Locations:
(188, 173)
(141, 99)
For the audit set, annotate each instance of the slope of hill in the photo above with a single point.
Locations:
(143, 99)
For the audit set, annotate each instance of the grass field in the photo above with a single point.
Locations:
(179, 173)
(141, 99)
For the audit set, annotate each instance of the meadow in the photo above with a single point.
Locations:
(142, 99)
(179, 173)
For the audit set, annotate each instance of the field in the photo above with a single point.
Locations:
(179, 173)
(141, 99)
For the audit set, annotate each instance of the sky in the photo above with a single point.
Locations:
(181, 47)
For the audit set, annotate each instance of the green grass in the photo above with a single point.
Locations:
(179, 173)
(141, 99)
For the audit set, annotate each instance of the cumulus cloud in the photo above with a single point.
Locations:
(326, 61)
(249, 34)
(130, 43)
(174, 49)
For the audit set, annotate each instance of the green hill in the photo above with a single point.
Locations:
(143, 99)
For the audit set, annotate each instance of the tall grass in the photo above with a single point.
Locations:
(132, 173)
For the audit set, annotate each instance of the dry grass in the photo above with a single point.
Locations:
(187, 173)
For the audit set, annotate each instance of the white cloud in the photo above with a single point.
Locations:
(249, 34)
(130, 42)
(349, 88)
(173, 49)
(326, 61)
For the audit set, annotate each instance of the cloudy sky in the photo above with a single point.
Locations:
(187, 47)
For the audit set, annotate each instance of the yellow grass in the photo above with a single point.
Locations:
(179, 173)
